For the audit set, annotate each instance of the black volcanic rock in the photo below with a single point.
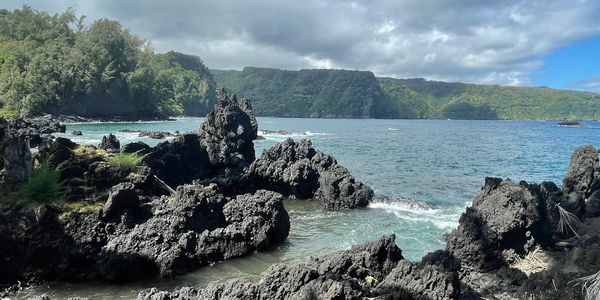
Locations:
(505, 216)
(121, 197)
(196, 227)
(227, 134)
(374, 270)
(297, 169)
(223, 148)
(136, 147)
(581, 185)
(110, 143)
(179, 161)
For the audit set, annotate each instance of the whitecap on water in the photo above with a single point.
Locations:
(413, 211)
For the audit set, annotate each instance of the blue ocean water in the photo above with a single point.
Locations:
(431, 170)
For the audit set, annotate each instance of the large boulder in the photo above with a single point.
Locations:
(196, 227)
(582, 182)
(297, 169)
(110, 143)
(121, 197)
(505, 219)
(227, 134)
(179, 161)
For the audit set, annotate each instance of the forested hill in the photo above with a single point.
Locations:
(340, 93)
(56, 64)
(305, 93)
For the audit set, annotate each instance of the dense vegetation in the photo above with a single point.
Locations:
(56, 64)
(339, 93)
(473, 101)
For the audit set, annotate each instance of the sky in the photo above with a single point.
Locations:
(553, 43)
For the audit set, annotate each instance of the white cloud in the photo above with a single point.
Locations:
(458, 40)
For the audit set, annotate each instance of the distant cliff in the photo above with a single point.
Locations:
(359, 94)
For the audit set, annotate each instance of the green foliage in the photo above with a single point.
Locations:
(124, 160)
(355, 94)
(55, 64)
(503, 102)
(44, 186)
(314, 93)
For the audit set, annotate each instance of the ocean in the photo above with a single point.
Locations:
(428, 170)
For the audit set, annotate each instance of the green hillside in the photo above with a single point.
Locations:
(320, 93)
(55, 64)
(460, 100)
(340, 93)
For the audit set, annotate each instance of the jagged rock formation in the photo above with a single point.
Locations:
(227, 134)
(505, 218)
(110, 143)
(223, 147)
(372, 270)
(582, 183)
(16, 161)
(297, 169)
(131, 239)
(196, 227)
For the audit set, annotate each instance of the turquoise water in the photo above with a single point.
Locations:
(430, 168)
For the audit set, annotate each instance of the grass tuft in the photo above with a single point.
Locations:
(590, 286)
(89, 152)
(124, 160)
(44, 186)
(567, 221)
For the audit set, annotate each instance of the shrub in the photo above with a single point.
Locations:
(124, 160)
(44, 186)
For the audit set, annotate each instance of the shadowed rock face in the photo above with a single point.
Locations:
(581, 185)
(505, 216)
(297, 169)
(16, 160)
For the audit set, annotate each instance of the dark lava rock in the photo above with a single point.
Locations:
(246, 106)
(121, 197)
(374, 270)
(136, 147)
(166, 236)
(505, 217)
(299, 170)
(196, 227)
(581, 185)
(227, 135)
(157, 135)
(110, 143)
(76, 132)
(179, 161)
(569, 123)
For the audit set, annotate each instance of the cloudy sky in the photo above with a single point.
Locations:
(515, 42)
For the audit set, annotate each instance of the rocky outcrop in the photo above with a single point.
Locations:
(223, 148)
(131, 238)
(196, 227)
(505, 219)
(372, 270)
(582, 182)
(179, 161)
(110, 143)
(16, 161)
(227, 135)
(297, 169)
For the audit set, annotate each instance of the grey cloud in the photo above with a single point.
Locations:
(460, 40)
